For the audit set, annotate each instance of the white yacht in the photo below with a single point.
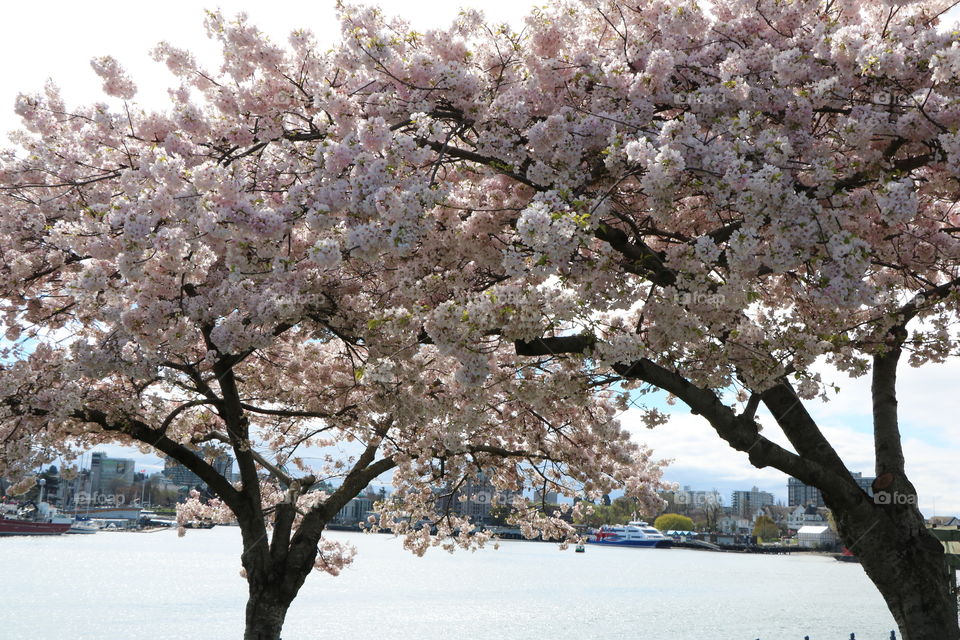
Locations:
(632, 534)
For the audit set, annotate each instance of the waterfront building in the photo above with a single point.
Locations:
(551, 497)
(807, 515)
(694, 503)
(78, 489)
(475, 498)
(799, 494)
(355, 511)
(697, 499)
(746, 503)
(180, 475)
(161, 482)
(107, 475)
(224, 466)
(122, 516)
(802, 494)
(733, 525)
(184, 477)
(778, 513)
(813, 537)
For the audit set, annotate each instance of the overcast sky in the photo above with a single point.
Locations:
(56, 40)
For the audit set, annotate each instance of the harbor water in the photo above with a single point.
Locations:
(158, 586)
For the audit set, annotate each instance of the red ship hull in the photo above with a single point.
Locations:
(30, 528)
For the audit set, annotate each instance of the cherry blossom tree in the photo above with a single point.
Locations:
(262, 269)
(720, 199)
(713, 201)
(448, 246)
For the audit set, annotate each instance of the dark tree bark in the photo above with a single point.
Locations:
(278, 562)
(908, 566)
(266, 612)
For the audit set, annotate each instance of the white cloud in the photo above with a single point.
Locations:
(925, 397)
(701, 459)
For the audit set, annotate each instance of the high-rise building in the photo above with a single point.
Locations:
(746, 503)
(799, 494)
(355, 511)
(224, 466)
(181, 476)
(688, 499)
(550, 497)
(478, 498)
(109, 474)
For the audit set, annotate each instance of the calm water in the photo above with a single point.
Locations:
(157, 586)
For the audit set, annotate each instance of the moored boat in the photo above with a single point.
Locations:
(33, 519)
(131, 513)
(632, 534)
(14, 527)
(40, 521)
(79, 527)
(846, 556)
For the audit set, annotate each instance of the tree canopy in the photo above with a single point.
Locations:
(766, 528)
(450, 246)
(620, 511)
(673, 522)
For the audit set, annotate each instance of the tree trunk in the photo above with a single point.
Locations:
(908, 566)
(274, 579)
(266, 611)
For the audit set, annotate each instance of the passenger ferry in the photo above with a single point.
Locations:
(632, 534)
